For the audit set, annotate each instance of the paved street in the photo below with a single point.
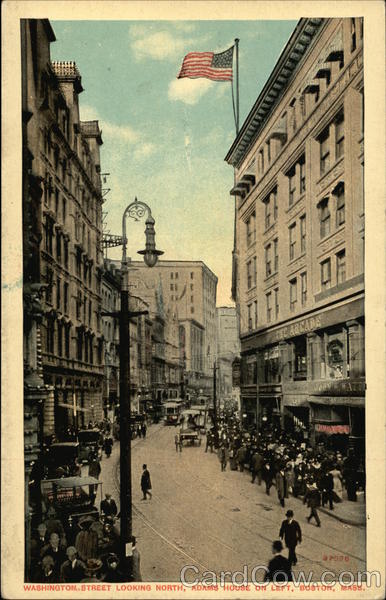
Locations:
(218, 521)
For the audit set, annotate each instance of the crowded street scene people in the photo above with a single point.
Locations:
(286, 461)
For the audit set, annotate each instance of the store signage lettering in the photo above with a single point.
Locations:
(331, 429)
(304, 326)
(337, 387)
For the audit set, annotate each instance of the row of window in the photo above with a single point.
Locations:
(297, 235)
(272, 297)
(297, 177)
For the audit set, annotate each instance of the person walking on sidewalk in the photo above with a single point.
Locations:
(177, 441)
(222, 454)
(257, 466)
(327, 484)
(312, 497)
(145, 483)
(279, 568)
(292, 534)
(281, 486)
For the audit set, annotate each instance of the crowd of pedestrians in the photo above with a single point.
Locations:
(283, 460)
(91, 551)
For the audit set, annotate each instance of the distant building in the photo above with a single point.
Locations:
(64, 248)
(298, 270)
(186, 289)
(228, 348)
(190, 288)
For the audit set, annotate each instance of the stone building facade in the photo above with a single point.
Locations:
(298, 263)
(189, 295)
(66, 167)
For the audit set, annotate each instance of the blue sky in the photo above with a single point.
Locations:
(165, 139)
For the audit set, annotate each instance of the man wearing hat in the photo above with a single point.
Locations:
(108, 506)
(93, 567)
(279, 568)
(292, 534)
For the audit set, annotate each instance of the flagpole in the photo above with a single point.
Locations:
(237, 86)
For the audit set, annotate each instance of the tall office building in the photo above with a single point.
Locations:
(298, 261)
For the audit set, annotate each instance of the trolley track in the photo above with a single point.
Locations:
(250, 531)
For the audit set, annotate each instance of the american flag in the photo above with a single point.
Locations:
(217, 67)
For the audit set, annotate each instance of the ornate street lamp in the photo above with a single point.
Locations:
(136, 210)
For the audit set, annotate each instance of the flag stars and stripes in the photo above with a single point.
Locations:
(209, 65)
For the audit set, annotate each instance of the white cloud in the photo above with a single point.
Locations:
(159, 45)
(188, 90)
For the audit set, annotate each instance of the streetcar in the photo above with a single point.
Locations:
(171, 411)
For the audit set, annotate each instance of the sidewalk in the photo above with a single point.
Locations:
(351, 513)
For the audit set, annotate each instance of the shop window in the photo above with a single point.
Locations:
(335, 355)
(271, 365)
(341, 267)
(251, 374)
(300, 358)
(325, 274)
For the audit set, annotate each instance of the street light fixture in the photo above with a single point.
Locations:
(136, 210)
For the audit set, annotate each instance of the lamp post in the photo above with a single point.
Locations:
(136, 210)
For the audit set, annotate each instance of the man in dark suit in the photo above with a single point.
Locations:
(145, 483)
(73, 569)
(279, 568)
(292, 534)
(312, 497)
(109, 507)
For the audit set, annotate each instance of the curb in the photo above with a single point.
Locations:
(342, 519)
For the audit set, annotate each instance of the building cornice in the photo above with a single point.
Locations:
(287, 64)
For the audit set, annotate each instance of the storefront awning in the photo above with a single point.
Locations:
(338, 400)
